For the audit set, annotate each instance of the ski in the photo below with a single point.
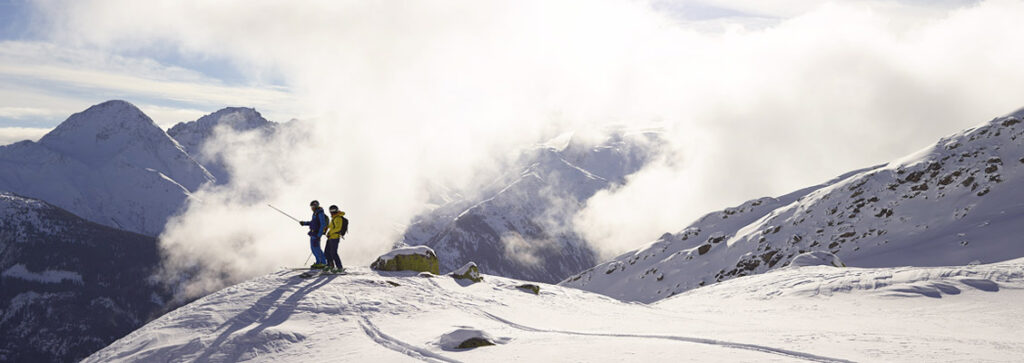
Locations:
(311, 273)
(342, 272)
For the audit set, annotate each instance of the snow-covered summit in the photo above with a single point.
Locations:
(194, 135)
(109, 164)
(102, 131)
(955, 202)
(816, 313)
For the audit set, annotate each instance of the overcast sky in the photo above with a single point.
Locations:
(759, 97)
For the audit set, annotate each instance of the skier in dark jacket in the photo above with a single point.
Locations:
(317, 226)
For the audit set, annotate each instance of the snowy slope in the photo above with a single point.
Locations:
(69, 287)
(193, 135)
(958, 201)
(801, 314)
(109, 164)
(521, 227)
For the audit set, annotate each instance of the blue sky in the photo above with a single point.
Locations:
(44, 78)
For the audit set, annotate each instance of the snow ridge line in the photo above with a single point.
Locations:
(397, 345)
(720, 343)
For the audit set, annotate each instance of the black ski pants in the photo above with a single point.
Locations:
(331, 252)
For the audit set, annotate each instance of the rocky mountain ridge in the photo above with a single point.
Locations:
(953, 203)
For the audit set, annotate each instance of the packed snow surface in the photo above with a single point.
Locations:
(814, 313)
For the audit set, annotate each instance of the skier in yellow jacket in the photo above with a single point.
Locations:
(336, 229)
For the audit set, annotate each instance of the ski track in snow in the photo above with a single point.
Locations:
(720, 343)
(397, 345)
(281, 317)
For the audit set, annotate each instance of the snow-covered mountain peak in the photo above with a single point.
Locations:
(238, 118)
(109, 164)
(194, 135)
(103, 131)
(954, 202)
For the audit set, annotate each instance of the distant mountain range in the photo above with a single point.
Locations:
(77, 267)
(112, 165)
(957, 202)
(521, 226)
(79, 210)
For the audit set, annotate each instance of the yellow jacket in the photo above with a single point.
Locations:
(334, 228)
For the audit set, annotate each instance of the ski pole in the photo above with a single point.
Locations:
(282, 212)
(293, 218)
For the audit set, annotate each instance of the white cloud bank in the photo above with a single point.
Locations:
(410, 91)
(42, 83)
(10, 135)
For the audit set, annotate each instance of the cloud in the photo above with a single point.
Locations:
(23, 112)
(10, 135)
(55, 81)
(399, 93)
(166, 117)
(831, 90)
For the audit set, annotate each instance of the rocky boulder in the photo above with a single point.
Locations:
(468, 338)
(468, 271)
(530, 288)
(415, 258)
